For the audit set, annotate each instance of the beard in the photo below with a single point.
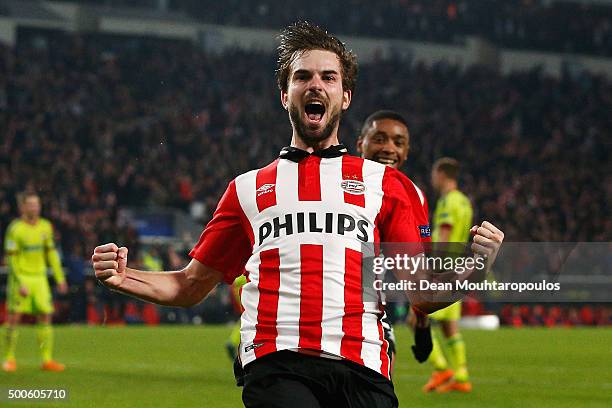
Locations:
(312, 138)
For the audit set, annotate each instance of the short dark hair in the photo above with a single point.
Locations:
(22, 196)
(449, 166)
(303, 36)
(379, 115)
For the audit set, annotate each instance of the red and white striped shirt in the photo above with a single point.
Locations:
(296, 227)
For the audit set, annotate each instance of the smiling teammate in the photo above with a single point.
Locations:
(296, 227)
(385, 139)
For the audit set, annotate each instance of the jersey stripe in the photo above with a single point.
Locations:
(267, 307)
(333, 300)
(352, 170)
(265, 186)
(309, 179)
(289, 298)
(311, 299)
(353, 307)
(374, 175)
(384, 356)
(420, 193)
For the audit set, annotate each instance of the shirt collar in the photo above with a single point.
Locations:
(296, 155)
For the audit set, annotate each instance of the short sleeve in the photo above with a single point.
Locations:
(10, 241)
(402, 216)
(226, 244)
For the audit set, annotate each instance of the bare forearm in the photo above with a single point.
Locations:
(164, 288)
(446, 288)
(186, 287)
(444, 235)
(430, 289)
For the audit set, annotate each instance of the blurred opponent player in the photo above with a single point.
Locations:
(296, 226)
(385, 139)
(451, 223)
(30, 249)
(233, 342)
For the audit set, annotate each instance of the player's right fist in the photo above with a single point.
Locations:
(109, 263)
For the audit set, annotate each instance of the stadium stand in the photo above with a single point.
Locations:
(563, 26)
(98, 122)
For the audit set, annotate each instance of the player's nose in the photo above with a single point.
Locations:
(315, 84)
(389, 146)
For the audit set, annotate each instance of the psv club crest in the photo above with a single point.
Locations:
(356, 187)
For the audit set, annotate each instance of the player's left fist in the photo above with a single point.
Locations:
(487, 240)
(110, 264)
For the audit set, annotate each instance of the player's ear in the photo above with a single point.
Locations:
(360, 145)
(406, 152)
(284, 97)
(346, 99)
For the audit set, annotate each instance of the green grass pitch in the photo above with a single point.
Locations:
(187, 367)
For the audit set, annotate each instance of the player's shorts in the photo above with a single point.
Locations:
(39, 299)
(452, 312)
(288, 379)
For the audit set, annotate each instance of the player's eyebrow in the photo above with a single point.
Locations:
(302, 72)
(309, 72)
(394, 136)
(379, 133)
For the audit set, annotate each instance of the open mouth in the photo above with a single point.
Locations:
(315, 111)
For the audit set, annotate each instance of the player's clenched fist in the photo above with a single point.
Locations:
(487, 240)
(109, 263)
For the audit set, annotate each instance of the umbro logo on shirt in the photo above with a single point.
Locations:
(253, 346)
(266, 188)
(353, 186)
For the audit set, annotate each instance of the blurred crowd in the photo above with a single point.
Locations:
(96, 123)
(551, 315)
(563, 26)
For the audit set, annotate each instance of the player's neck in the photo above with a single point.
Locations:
(448, 187)
(297, 141)
(30, 220)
